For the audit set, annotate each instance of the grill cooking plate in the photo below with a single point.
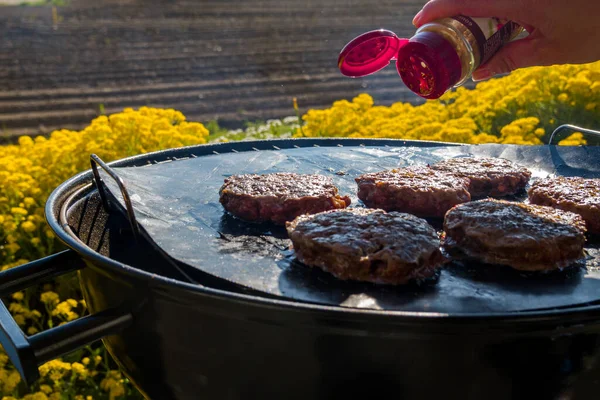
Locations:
(176, 207)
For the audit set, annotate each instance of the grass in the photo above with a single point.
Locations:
(273, 128)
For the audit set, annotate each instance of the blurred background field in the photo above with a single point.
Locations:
(63, 62)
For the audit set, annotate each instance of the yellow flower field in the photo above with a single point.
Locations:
(522, 108)
(29, 171)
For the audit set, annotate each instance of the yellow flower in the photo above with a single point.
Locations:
(46, 389)
(113, 384)
(50, 298)
(85, 360)
(79, 369)
(16, 308)
(576, 139)
(54, 369)
(32, 330)
(19, 319)
(63, 310)
(18, 211)
(29, 201)
(36, 396)
(18, 296)
(9, 226)
(12, 381)
(25, 141)
(12, 248)
(28, 226)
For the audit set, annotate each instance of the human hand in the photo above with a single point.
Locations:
(560, 31)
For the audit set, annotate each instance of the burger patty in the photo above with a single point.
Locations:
(367, 245)
(279, 197)
(578, 195)
(487, 176)
(416, 190)
(523, 236)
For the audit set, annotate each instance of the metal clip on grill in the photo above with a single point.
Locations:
(567, 128)
(103, 191)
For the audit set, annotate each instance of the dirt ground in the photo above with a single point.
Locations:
(224, 60)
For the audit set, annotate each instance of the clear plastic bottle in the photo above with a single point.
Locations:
(441, 55)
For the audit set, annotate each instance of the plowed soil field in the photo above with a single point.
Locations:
(231, 61)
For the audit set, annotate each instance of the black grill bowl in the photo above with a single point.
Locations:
(176, 340)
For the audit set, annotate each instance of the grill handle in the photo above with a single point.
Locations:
(28, 352)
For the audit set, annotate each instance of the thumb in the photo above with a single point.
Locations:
(518, 54)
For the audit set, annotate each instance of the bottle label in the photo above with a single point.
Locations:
(490, 34)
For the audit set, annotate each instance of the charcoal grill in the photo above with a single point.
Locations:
(181, 330)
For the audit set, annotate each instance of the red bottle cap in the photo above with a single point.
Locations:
(369, 53)
(427, 63)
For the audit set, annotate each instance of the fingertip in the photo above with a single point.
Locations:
(417, 19)
(482, 74)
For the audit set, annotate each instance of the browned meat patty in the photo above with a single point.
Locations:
(279, 197)
(416, 190)
(523, 236)
(487, 176)
(367, 245)
(578, 195)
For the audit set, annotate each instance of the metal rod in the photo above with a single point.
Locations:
(572, 128)
(95, 161)
(99, 186)
(19, 278)
(63, 339)
(17, 347)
